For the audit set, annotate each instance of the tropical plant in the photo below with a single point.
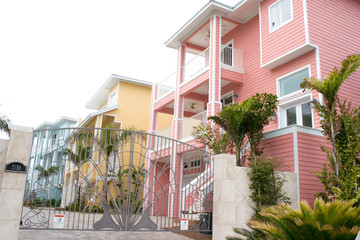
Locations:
(247, 119)
(46, 173)
(341, 124)
(216, 139)
(329, 88)
(266, 183)
(331, 221)
(4, 124)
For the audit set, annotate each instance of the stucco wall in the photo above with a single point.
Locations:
(232, 204)
(12, 185)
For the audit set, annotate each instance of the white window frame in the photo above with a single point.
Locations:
(231, 42)
(297, 102)
(278, 80)
(112, 101)
(228, 94)
(271, 29)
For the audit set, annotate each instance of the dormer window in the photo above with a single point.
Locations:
(280, 13)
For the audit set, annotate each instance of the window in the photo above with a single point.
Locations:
(294, 106)
(227, 99)
(53, 141)
(227, 54)
(291, 83)
(299, 113)
(279, 14)
(112, 99)
(193, 164)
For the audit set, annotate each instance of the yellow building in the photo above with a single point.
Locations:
(120, 103)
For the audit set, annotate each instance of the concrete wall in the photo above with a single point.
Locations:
(12, 185)
(233, 206)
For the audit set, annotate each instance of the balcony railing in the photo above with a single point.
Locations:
(166, 86)
(165, 132)
(231, 59)
(196, 66)
(190, 123)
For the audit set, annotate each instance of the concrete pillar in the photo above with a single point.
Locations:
(12, 185)
(232, 205)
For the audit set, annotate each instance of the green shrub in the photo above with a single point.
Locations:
(331, 221)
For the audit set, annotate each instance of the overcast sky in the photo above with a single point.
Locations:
(55, 55)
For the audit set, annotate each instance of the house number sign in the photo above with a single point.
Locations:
(15, 167)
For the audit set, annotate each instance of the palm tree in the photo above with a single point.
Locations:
(4, 124)
(329, 88)
(247, 119)
(46, 173)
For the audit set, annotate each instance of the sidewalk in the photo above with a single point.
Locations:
(35, 234)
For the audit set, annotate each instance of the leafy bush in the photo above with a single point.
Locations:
(331, 221)
(266, 183)
(134, 202)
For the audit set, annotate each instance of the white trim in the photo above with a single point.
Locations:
(287, 75)
(296, 162)
(115, 119)
(306, 23)
(105, 88)
(297, 52)
(223, 46)
(317, 59)
(290, 129)
(284, 23)
(297, 103)
(112, 101)
(214, 36)
(232, 56)
(296, 100)
(153, 90)
(318, 71)
(260, 35)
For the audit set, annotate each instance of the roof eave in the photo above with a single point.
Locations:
(112, 80)
(203, 15)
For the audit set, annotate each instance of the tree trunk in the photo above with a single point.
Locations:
(238, 159)
(336, 164)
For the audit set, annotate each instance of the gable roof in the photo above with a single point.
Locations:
(55, 124)
(243, 11)
(102, 94)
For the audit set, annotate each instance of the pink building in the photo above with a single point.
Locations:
(226, 54)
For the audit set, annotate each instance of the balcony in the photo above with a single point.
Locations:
(191, 122)
(188, 125)
(231, 60)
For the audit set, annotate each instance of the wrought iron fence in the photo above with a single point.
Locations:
(92, 178)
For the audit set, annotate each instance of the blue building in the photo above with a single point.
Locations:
(48, 144)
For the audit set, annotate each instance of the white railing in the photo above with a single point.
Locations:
(166, 86)
(165, 132)
(196, 66)
(190, 123)
(232, 59)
